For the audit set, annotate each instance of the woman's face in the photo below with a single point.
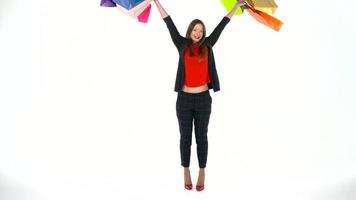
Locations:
(197, 33)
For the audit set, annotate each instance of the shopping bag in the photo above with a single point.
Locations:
(267, 6)
(137, 10)
(229, 4)
(107, 3)
(128, 4)
(143, 17)
(265, 18)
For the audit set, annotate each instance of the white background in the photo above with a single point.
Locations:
(87, 107)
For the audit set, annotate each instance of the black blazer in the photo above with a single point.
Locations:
(181, 43)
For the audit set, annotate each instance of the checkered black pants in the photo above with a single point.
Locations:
(193, 107)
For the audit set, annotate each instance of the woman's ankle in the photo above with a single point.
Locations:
(201, 177)
(187, 177)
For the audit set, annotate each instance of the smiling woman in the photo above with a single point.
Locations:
(196, 74)
(196, 34)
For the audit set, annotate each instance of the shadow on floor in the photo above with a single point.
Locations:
(342, 191)
(11, 190)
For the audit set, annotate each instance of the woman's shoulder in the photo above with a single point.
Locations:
(207, 44)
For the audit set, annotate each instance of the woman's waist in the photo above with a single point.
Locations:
(197, 89)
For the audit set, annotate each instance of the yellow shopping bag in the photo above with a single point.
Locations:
(267, 6)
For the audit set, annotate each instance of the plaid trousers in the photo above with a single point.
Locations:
(193, 107)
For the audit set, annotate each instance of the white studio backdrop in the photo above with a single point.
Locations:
(87, 107)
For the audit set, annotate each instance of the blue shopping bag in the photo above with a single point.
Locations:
(128, 4)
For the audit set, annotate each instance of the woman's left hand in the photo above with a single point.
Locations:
(241, 3)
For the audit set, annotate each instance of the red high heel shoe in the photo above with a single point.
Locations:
(188, 186)
(200, 188)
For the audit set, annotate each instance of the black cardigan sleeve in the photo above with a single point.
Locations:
(214, 36)
(178, 40)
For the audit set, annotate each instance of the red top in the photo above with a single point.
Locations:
(196, 72)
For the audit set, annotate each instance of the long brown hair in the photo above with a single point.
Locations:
(202, 47)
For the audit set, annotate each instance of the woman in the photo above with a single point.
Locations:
(196, 74)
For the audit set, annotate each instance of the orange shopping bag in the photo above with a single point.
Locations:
(265, 18)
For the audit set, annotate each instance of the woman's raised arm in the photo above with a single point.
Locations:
(178, 40)
(161, 9)
(236, 6)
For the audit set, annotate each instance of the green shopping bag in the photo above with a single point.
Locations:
(229, 4)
